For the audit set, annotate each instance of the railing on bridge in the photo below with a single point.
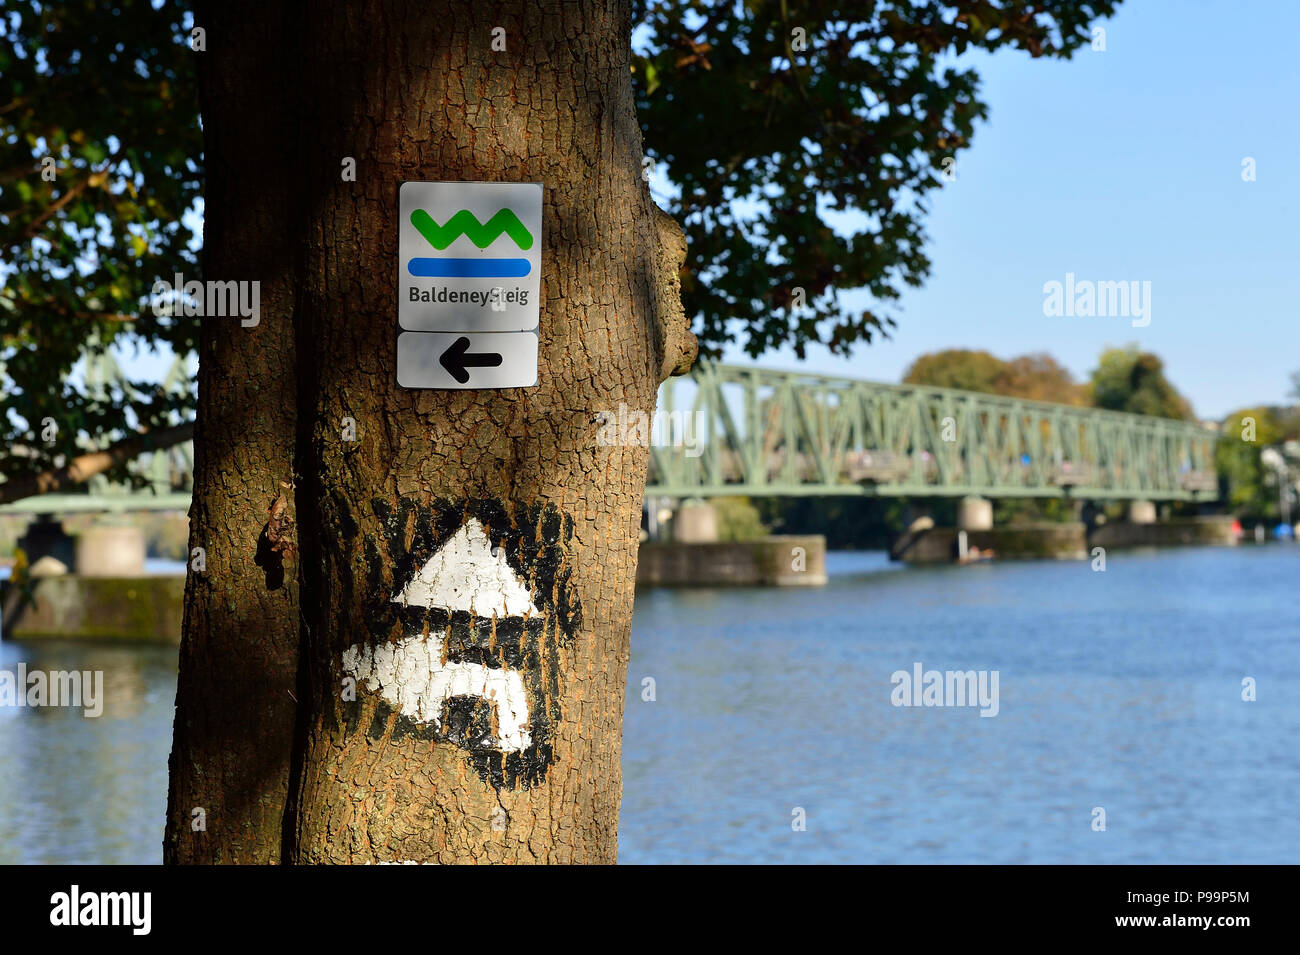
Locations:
(789, 433)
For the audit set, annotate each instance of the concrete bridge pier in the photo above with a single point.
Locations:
(1143, 527)
(695, 522)
(91, 586)
(696, 557)
(107, 549)
(1142, 512)
(110, 550)
(975, 514)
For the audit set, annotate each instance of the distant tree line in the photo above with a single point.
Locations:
(1125, 379)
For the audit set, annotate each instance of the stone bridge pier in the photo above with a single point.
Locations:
(975, 514)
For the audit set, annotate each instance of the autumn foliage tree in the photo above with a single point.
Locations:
(1251, 489)
(1038, 377)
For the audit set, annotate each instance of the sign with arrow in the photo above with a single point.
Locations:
(487, 360)
(458, 357)
(469, 272)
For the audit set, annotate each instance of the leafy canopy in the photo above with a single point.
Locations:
(1251, 491)
(1127, 379)
(774, 118)
(103, 97)
(779, 118)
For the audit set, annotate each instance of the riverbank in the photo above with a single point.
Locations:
(127, 609)
(1069, 540)
(787, 560)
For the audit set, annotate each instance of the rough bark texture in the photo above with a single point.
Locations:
(236, 711)
(415, 91)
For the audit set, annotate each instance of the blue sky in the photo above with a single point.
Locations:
(1120, 165)
(1125, 165)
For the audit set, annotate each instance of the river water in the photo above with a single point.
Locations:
(771, 735)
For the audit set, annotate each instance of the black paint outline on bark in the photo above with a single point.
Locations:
(536, 540)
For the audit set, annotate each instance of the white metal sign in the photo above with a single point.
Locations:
(469, 284)
(453, 360)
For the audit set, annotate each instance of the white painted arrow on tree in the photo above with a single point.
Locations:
(413, 675)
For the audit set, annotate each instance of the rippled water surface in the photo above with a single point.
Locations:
(74, 789)
(1119, 690)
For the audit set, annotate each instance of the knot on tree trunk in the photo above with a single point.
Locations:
(278, 540)
(678, 346)
(280, 525)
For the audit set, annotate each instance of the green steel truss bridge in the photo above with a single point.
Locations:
(760, 432)
(727, 429)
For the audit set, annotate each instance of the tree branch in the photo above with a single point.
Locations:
(85, 466)
(94, 178)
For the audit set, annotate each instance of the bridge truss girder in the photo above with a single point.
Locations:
(781, 433)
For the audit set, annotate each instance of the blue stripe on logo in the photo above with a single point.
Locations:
(469, 268)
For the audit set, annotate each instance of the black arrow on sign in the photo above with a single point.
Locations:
(457, 358)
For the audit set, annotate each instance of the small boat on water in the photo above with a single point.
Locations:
(975, 555)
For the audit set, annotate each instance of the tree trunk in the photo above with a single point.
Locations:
(235, 707)
(466, 565)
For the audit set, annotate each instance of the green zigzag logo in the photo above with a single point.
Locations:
(464, 223)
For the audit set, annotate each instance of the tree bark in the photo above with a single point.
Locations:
(416, 91)
(235, 699)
